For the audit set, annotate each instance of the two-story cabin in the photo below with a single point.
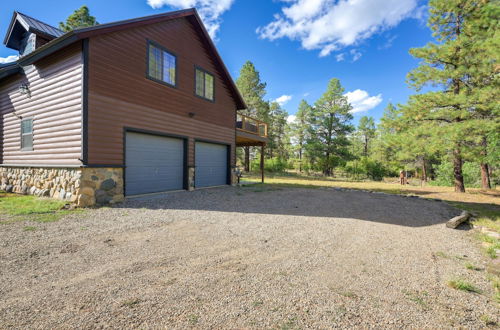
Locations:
(127, 108)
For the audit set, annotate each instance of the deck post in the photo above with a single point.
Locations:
(262, 162)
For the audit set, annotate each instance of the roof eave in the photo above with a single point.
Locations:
(9, 30)
(240, 102)
(9, 70)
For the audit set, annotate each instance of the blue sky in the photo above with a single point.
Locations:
(297, 45)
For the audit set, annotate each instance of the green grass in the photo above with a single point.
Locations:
(488, 321)
(417, 297)
(23, 205)
(470, 266)
(491, 251)
(463, 285)
(32, 208)
(487, 215)
(289, 324)
(257, 303)
(495, 282)
(492, 242)
(441, 255)
(131, 302)
(193, 319)
(29, 228)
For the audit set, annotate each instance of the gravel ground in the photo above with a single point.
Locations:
(245, 258)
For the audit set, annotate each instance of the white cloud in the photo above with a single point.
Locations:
(340, 57)
(388, 43)
(291, 119)
(283, 99)
(331, 25)
(356, 55)
(8, 59)
(361, 101)
(209, 10)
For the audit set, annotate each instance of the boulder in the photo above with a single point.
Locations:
(108, 184)
(102, 197)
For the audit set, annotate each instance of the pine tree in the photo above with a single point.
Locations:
(276, 145)
(79, 19)
(300, 128)
(253, 91)
(366, 128)
(330, 124)
(447, 65)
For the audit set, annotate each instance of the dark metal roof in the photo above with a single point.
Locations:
(20, 23)
(41, 26)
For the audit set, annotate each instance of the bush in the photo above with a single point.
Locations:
(274, 165)
(367, 168)
(471, 172)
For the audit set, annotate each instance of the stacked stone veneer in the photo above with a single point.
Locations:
(82, 186)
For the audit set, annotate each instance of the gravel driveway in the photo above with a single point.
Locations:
(244, 258)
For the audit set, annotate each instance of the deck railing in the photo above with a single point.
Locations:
(251, 125)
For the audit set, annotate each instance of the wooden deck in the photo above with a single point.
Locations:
(250, 131)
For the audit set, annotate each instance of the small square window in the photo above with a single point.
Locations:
(204, 84)
(27, 134)
(161, 64)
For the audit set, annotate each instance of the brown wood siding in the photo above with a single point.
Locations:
(120, 94)
(55, 105)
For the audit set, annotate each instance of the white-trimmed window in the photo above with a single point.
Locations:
(27, 134)
(204, 84)
(161, 64)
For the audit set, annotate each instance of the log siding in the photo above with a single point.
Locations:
(121, 95)
(54, 103)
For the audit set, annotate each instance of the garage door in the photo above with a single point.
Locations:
(211, 164)
(153, 163)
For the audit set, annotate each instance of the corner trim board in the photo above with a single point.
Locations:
(85, 102)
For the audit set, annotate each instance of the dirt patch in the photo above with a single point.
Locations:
(237, 257)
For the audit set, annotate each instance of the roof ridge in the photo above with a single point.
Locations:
(130, 20)
(36, 19)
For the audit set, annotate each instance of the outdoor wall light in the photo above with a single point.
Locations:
(191, 114)
(24, 89)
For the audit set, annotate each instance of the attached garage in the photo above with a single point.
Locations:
(153, 163)
(211, 162)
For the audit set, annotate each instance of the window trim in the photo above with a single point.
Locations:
(157, 45)
(21, 134)
(196, 67)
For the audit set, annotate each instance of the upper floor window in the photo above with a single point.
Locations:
(204, 84)
(27, 134)
(161, 64)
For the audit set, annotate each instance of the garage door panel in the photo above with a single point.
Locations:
(153, 163)
(211, 164)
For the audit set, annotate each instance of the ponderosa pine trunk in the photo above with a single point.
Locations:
(300, 159)
(457, 170)
(485, 170)
(485, 176)
(424, 170)
(247, 159)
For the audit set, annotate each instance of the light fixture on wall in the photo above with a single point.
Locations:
(191, 114)
(24, 89)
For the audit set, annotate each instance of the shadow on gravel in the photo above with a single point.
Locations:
(331, 203)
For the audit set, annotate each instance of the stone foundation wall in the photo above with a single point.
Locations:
(82, 186)
(101, 185)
